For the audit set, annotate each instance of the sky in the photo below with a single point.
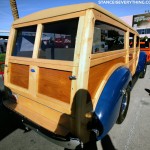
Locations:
(26, 7)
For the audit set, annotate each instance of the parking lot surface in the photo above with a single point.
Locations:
(132, 134)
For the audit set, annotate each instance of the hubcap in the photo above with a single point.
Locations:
(124, 103)
(145, 70)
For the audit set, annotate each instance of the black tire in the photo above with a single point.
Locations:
(142, 74)
(124, 105)
(1, 98)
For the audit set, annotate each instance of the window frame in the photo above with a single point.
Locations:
(15, 40)
(47, 63)
(116, 28)
(39, 35)
(77, 18)
(98, 58)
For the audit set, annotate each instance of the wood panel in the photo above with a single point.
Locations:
(98, 73)
(54, 64)
(131, 69)
(46, 117)
(110, 53)
(97, 61)
(42, 99)
(55, 84)
(132, 66)
(19, 75)
(130, 57)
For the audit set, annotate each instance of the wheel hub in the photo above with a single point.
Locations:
(124, 103)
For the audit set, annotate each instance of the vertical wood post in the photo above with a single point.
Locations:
(83, 72)
(127, 47)
(10, 45)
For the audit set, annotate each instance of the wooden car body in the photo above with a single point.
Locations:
(61, 88)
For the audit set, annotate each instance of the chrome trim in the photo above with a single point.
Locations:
(66, 142)
(124, 102)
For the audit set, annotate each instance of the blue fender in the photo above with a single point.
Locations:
(141, 62)
(108, 106)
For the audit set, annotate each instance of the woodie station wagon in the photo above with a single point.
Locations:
(69, 72)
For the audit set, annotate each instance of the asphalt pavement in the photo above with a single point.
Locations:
(132, 134)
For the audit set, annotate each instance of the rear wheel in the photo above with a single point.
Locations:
(124, 105)
(142, 74)
(1, 98)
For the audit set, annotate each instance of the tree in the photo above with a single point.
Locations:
(143, 39)
(14, 9)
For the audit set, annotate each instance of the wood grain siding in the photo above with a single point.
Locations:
(19, 75)
(55, 84)
(42, 115)
(98, 73)
(131, 57)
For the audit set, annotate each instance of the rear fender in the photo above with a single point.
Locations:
(141, 62)
(108, 106)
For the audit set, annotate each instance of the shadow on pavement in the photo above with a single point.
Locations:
(148, 91)
(8, 123)
(107, 143)
(134, 79)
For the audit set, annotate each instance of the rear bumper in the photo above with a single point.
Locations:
(69, 141)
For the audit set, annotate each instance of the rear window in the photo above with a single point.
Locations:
(24, 42)
(58, 40)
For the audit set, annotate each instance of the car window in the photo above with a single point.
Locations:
(107, 38)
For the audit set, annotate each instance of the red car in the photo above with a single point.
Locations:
(145, 46)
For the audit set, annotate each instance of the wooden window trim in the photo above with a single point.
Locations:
(37, 40)
(53, 64)
(104, 18)
(105, 54)
(100, 60)
(52, 19)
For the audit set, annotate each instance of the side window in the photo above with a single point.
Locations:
(131, 40)
(58, 40)
(137, 41)
(24, 42)
(107, 38)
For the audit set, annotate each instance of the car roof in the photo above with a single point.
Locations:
(62, 10)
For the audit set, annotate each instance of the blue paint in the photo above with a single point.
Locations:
(32, 70)
(109, 103)
(141, 62)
